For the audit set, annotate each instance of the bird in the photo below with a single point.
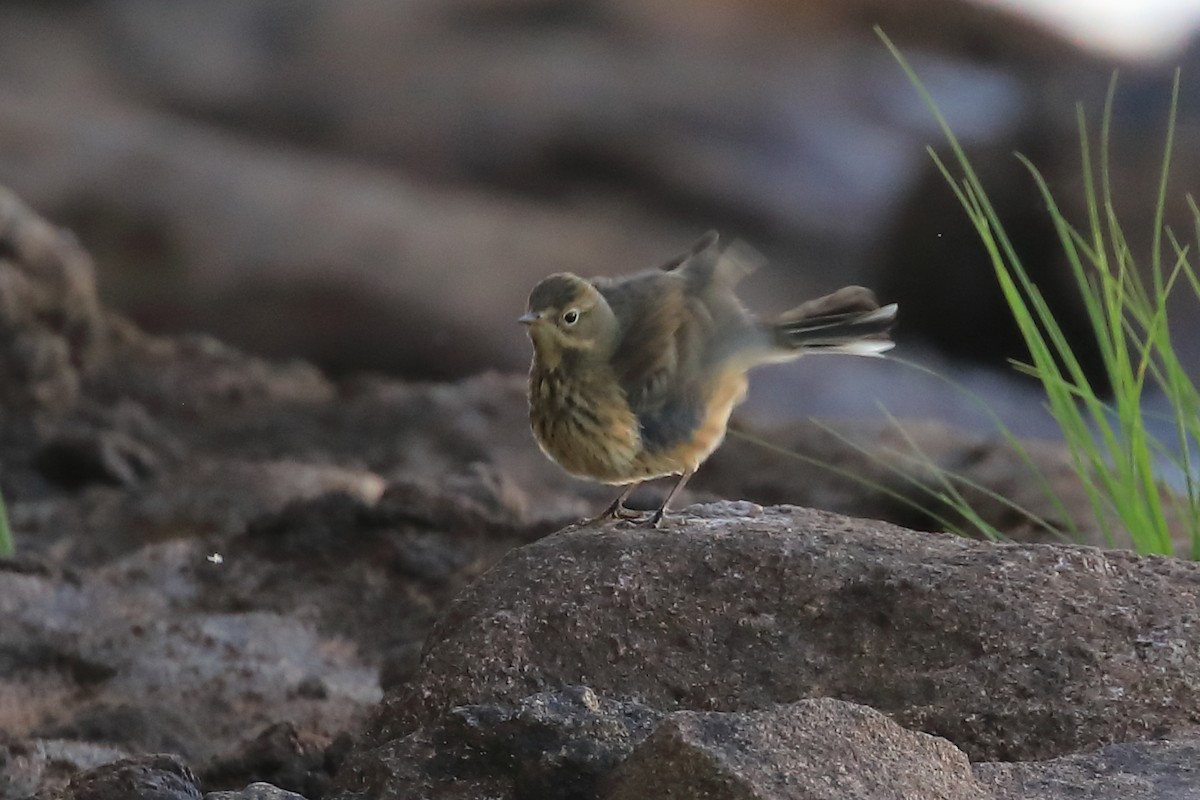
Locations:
(634, 377)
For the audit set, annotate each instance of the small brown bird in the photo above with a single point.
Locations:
(634, 377)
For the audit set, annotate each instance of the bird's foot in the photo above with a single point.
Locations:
(628, 514)
(618, 511)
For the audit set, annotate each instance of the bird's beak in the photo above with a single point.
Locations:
(529, 318)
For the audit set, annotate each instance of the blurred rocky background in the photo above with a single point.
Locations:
(376, 185)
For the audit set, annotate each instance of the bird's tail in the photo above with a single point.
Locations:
(847, 321)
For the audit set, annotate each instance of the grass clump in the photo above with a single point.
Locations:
(1116, 455)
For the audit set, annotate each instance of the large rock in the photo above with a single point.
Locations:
(1012, 652)
(579, 745)
(810, 750)
(560, 745)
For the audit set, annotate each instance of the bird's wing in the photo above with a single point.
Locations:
(657, 358)
(731, 336)
(675, 322)
(649, 308)
(706, 243)
(712, 270)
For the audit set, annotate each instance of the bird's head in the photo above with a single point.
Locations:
(568, 317)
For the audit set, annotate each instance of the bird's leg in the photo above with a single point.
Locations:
(662, 510)
(618, 510)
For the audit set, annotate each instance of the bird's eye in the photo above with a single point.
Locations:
(571, 316)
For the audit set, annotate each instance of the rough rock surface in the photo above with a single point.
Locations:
(1012, 652)
(281, 755)
(50, 319)
(811, 750)
(1157, 770)
(256, 791)
(42, 766)
(556, 745)
(132, 655)
(158, 777)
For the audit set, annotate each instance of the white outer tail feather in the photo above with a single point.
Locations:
(887, 312)
(860, 347)
(863, 347)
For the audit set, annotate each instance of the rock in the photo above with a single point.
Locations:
(43, 767)
(107, 457)
(382, 576)
(739, 613)
(810, 750)
(483, 496)
(279, 755)
(51, 326)
(136, 652)
(553, 746)
(1157, 770)
(197, 375)
(202, 497)
(256, 791)
(137, 728)
(158, 777)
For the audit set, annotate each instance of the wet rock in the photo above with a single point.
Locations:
(739, 613)
(552, 746)
(810, 750)
(158, 777)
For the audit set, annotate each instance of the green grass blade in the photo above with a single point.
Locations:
(867, 483)
(1111, 446)
(7, 547)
